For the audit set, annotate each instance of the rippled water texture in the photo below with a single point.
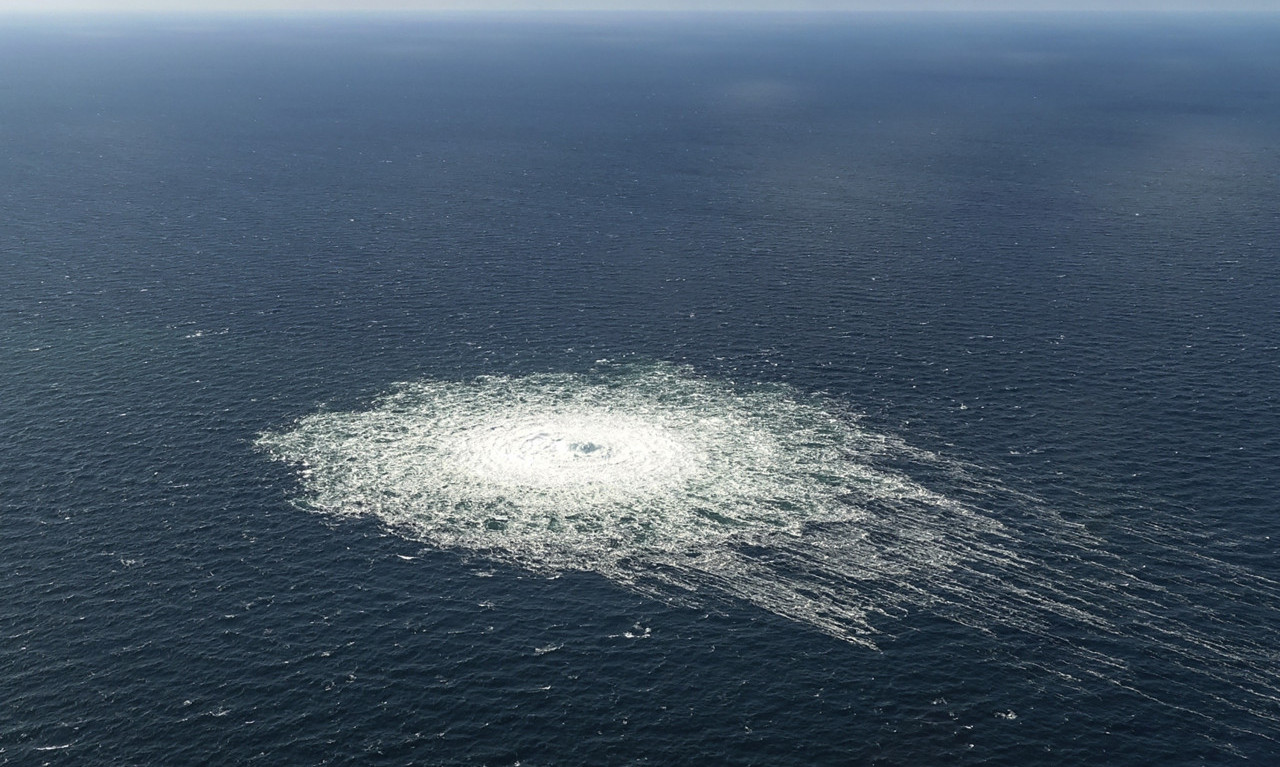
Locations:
(681, 486)
(679, 391)
(647, 475)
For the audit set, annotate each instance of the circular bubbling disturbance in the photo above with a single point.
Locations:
(686, 488)
(569, 472)
(650, 476)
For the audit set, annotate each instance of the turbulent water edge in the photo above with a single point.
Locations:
(687, 488)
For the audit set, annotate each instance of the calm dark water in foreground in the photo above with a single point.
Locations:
(1042, 254)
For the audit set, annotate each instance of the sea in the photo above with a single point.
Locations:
(640, 390)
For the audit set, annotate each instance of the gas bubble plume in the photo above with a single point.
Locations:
(649, 476)
(689, 489)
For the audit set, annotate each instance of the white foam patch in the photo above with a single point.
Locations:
(687, 488)
(649, 476)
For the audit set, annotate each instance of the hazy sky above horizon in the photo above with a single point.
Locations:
(254, 6)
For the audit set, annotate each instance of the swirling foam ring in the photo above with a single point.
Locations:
(565, 471)
(597, 451)
(671, 484)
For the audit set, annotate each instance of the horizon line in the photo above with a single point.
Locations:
(223, 11)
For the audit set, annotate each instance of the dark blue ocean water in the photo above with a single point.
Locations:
(1044, 250)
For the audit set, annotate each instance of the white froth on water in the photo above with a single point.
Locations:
(687, 488)
(649, 476)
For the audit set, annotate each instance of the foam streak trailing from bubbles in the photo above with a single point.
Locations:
(684, 487)
(651, 477)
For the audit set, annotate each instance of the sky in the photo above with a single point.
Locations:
(276, 6)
